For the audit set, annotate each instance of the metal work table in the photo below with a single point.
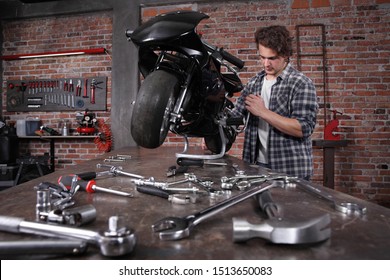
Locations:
(353, 237)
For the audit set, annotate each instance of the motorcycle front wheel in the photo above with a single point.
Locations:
(155, 101)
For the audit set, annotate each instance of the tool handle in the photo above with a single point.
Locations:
(10, 224)
(190, 162)
(84, 184)
(153, 191)
(73, 247)
(267, 205)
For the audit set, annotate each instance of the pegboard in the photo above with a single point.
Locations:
(72, 94)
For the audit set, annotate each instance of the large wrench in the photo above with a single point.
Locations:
(344, 207)
(174, 228)
(113, 242)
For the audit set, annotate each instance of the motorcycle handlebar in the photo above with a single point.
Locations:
(231, 58)
(225, 55)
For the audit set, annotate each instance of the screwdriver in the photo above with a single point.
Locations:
(196, 162)
(89, 186)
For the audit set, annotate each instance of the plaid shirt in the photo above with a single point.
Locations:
(292, 96)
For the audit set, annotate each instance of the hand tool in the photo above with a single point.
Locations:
(168, 187)
(76, 216)
(268, 206)
(348, 208)
(93, 88)
(89, 186)
(117, 170)
(43, 247)
(93, 175)
(116, 241)
(173, 171)
(174, 228)
(197, 162)
(173, 198)
(85, 95)
(280, 231)
(71, 88)
(78, 88)
(60, 196)
(242, 181)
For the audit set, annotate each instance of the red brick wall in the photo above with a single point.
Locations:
(54, 34)
(357, 52)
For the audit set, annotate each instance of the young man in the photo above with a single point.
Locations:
(282, 104)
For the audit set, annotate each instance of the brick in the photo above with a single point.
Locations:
(300, 4)
(320, 3)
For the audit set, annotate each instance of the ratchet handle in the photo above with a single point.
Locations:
(153, 191)
(10, 224)
(73, 247)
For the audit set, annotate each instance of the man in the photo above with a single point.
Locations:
(282, 104)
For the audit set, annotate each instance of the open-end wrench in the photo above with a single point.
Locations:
(113, 242)
(348, 208)
(174, 228)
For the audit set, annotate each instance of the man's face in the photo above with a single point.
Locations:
(273, 63)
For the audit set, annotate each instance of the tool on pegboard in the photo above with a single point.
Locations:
(63, 94)
(332, 127)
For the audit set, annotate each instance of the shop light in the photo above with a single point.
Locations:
(53, 54)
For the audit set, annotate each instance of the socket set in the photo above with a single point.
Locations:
(73, 94)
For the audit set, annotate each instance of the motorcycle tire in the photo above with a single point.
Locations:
(155, 100)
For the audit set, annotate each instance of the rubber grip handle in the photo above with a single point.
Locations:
(267, 205)
(153, 191)
(190, 162)
(231, 58)
(84, 185)
(10, 224)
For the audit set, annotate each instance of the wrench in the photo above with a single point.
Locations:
(113, 242)
(174, 228)
(117, 170)
(347, 208)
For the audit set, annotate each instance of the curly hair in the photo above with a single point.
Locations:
(275, 37)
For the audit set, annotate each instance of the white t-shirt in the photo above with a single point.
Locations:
(263, 128)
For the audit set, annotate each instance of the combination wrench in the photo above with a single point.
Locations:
(347, 208)
(175, 228)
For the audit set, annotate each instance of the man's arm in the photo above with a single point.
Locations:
(255, 105)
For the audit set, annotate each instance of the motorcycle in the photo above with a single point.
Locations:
(186, 87)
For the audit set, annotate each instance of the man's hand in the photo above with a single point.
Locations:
(255, 105)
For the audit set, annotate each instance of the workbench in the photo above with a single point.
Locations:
(352, 236)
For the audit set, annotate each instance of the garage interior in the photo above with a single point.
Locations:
(343, 46)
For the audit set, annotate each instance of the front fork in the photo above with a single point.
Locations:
(176, 114)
